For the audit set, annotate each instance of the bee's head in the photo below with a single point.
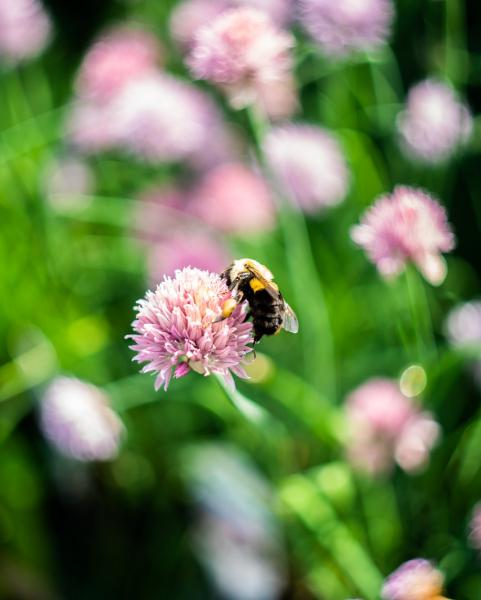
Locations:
(249, 264)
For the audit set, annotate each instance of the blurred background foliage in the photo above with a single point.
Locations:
(136, 526)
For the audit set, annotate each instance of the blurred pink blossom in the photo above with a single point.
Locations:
(242, 52)
(118, 57)
(386, 427)
(416, 579)
(408, 225)
(234, 199)
(76, 418)
(164, 119)
(463, 329)
(68, 183)
(463, 324)
(90, 127)
(237, 537)
(434, 123)
(186, 247)
(345, 26)
(25, 29)
(190, 16)
(175, 328)
(309, 165)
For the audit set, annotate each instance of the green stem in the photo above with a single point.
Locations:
(319, 359)
(249, 410)
(421, 315)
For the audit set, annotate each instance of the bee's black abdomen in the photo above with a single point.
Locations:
(266, 314)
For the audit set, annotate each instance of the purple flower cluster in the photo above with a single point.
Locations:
(416, 579)
(25, 29)
(244, 54)
(407, 225)
(308, 164)
(125, 101)
(177, 329)
(347, 26)
(434, 122)
(386, 427)
(76, 418)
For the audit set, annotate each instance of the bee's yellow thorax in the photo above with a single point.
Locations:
(256, 285)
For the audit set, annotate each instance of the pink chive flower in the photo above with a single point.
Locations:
(118, 57)
(408, 225)
(236, 535)
(234, 199)
(475, 528)
(463, 325)
(386, 427)
(25, 29)
(76, 418)
(346, 26)
(68, 183)
(309, 165)
(434, 122)
(186, 247)
(242, 51)
(90, 127)
(190, 16)
(163, 119)
(416, 579)
(175, 329)
(463, 330)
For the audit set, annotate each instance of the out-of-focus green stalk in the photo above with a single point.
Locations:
(421, 315)
(250, 410)
(455, 57)
(300, 496)
(314, 323)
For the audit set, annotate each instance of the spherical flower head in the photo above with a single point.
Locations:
(90, 127)
(237, 536)
(76, 418)
(347, 26)
(68, 183)
(163, 119)
(416, 579)
(408, 225)
(234, 199)
(463, 330)
(241, 51)
(434, 123)
(117, 58)
(175, 329)
(25, 29)
(184, 247)
(190, 16)
(386, 427)
(309, 165)
(414, 444)
(463, 325)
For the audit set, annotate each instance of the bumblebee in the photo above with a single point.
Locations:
(251, 281)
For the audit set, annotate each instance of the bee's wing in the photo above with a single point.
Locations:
(270, 287)
(290, 322)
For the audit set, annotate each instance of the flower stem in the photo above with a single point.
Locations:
(319, 360)
(421, 315)
(251, 411)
